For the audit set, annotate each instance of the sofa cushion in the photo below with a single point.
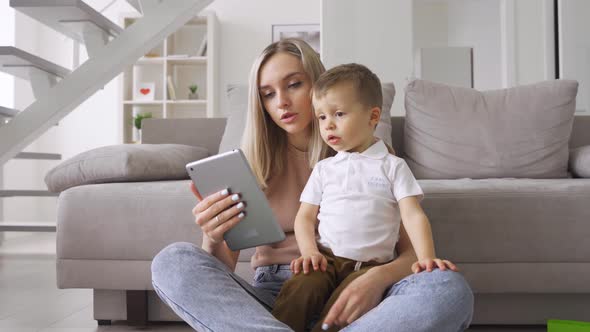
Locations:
(453, 132)
(125, 162)
(509, 220)
(126, 221)
(579, 163)
(525, 220)
(238, 106)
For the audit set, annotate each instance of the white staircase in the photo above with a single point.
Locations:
(58, 90)
(7, 112)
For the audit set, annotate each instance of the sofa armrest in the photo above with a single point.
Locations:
(203, 132)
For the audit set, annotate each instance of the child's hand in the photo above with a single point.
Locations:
(429, 264)
(317, 260)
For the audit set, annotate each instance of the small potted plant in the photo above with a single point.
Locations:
(193, 89)
(137, 119)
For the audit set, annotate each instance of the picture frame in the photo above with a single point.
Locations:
(145, 91)
(308, 32)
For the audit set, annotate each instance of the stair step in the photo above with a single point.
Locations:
(15, 61)
(143, 6)
(54, 13)
(38, 156)
(135, 4)
(27, 227)
(27, 193)
(8, 112)
(11, 113)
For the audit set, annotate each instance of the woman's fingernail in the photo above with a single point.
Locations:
(224, 192)
(235, 197)
(240, 205)
(241, 215)
(325, 326)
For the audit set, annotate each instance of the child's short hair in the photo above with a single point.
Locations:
(364, 81)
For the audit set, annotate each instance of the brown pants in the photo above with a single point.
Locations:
(310, 296)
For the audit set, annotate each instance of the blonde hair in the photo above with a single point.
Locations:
(264, 143)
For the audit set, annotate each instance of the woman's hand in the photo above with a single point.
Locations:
(316, 259)
(430, 264)
(217, 213)
(360, 296)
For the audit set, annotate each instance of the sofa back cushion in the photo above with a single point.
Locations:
(452, 132)
(237, 96)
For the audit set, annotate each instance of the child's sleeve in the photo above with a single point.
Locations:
(312, 193)
(404, 183)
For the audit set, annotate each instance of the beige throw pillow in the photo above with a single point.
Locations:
(579, 162)
(523, 132)
(124, 163)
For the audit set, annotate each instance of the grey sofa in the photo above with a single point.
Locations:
(521, 243)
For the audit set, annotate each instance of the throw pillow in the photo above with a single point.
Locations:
(579, 163)
(237, 96)
(452, 132)
(383, 130)
(238, 107)
(124, 163)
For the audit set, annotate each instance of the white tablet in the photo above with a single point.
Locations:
(231, 170)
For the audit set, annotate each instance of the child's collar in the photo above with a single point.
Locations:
(376, 151)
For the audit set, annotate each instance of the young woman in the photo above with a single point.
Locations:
(200, 285)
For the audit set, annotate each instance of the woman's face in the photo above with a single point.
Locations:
(284, 88)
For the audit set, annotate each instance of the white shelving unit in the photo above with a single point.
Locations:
(178, 58)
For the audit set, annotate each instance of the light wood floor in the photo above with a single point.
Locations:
(30, 301)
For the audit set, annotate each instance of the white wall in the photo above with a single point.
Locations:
(575, 48)
(463, 23)
(376, 33)
(476, 23)
(6, 81)
(6, 39)
(512, 39)
(246, 29)
(530, 41)
(431, 24)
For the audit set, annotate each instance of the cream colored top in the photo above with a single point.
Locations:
(283, 194)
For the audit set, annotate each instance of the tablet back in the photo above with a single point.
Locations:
(231, 170)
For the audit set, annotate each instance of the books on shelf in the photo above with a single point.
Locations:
(203, 47)
(171, 89)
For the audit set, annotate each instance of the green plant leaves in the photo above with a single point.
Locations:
(139, 117)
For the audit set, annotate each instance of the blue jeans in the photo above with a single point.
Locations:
(210, 297)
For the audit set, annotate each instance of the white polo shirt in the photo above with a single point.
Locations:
(357, 193)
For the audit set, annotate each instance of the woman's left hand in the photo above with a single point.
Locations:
(360, 296)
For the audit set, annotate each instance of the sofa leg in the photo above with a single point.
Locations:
(103, 322)
(137, 307)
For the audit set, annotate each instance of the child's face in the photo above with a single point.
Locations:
(345, 124)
